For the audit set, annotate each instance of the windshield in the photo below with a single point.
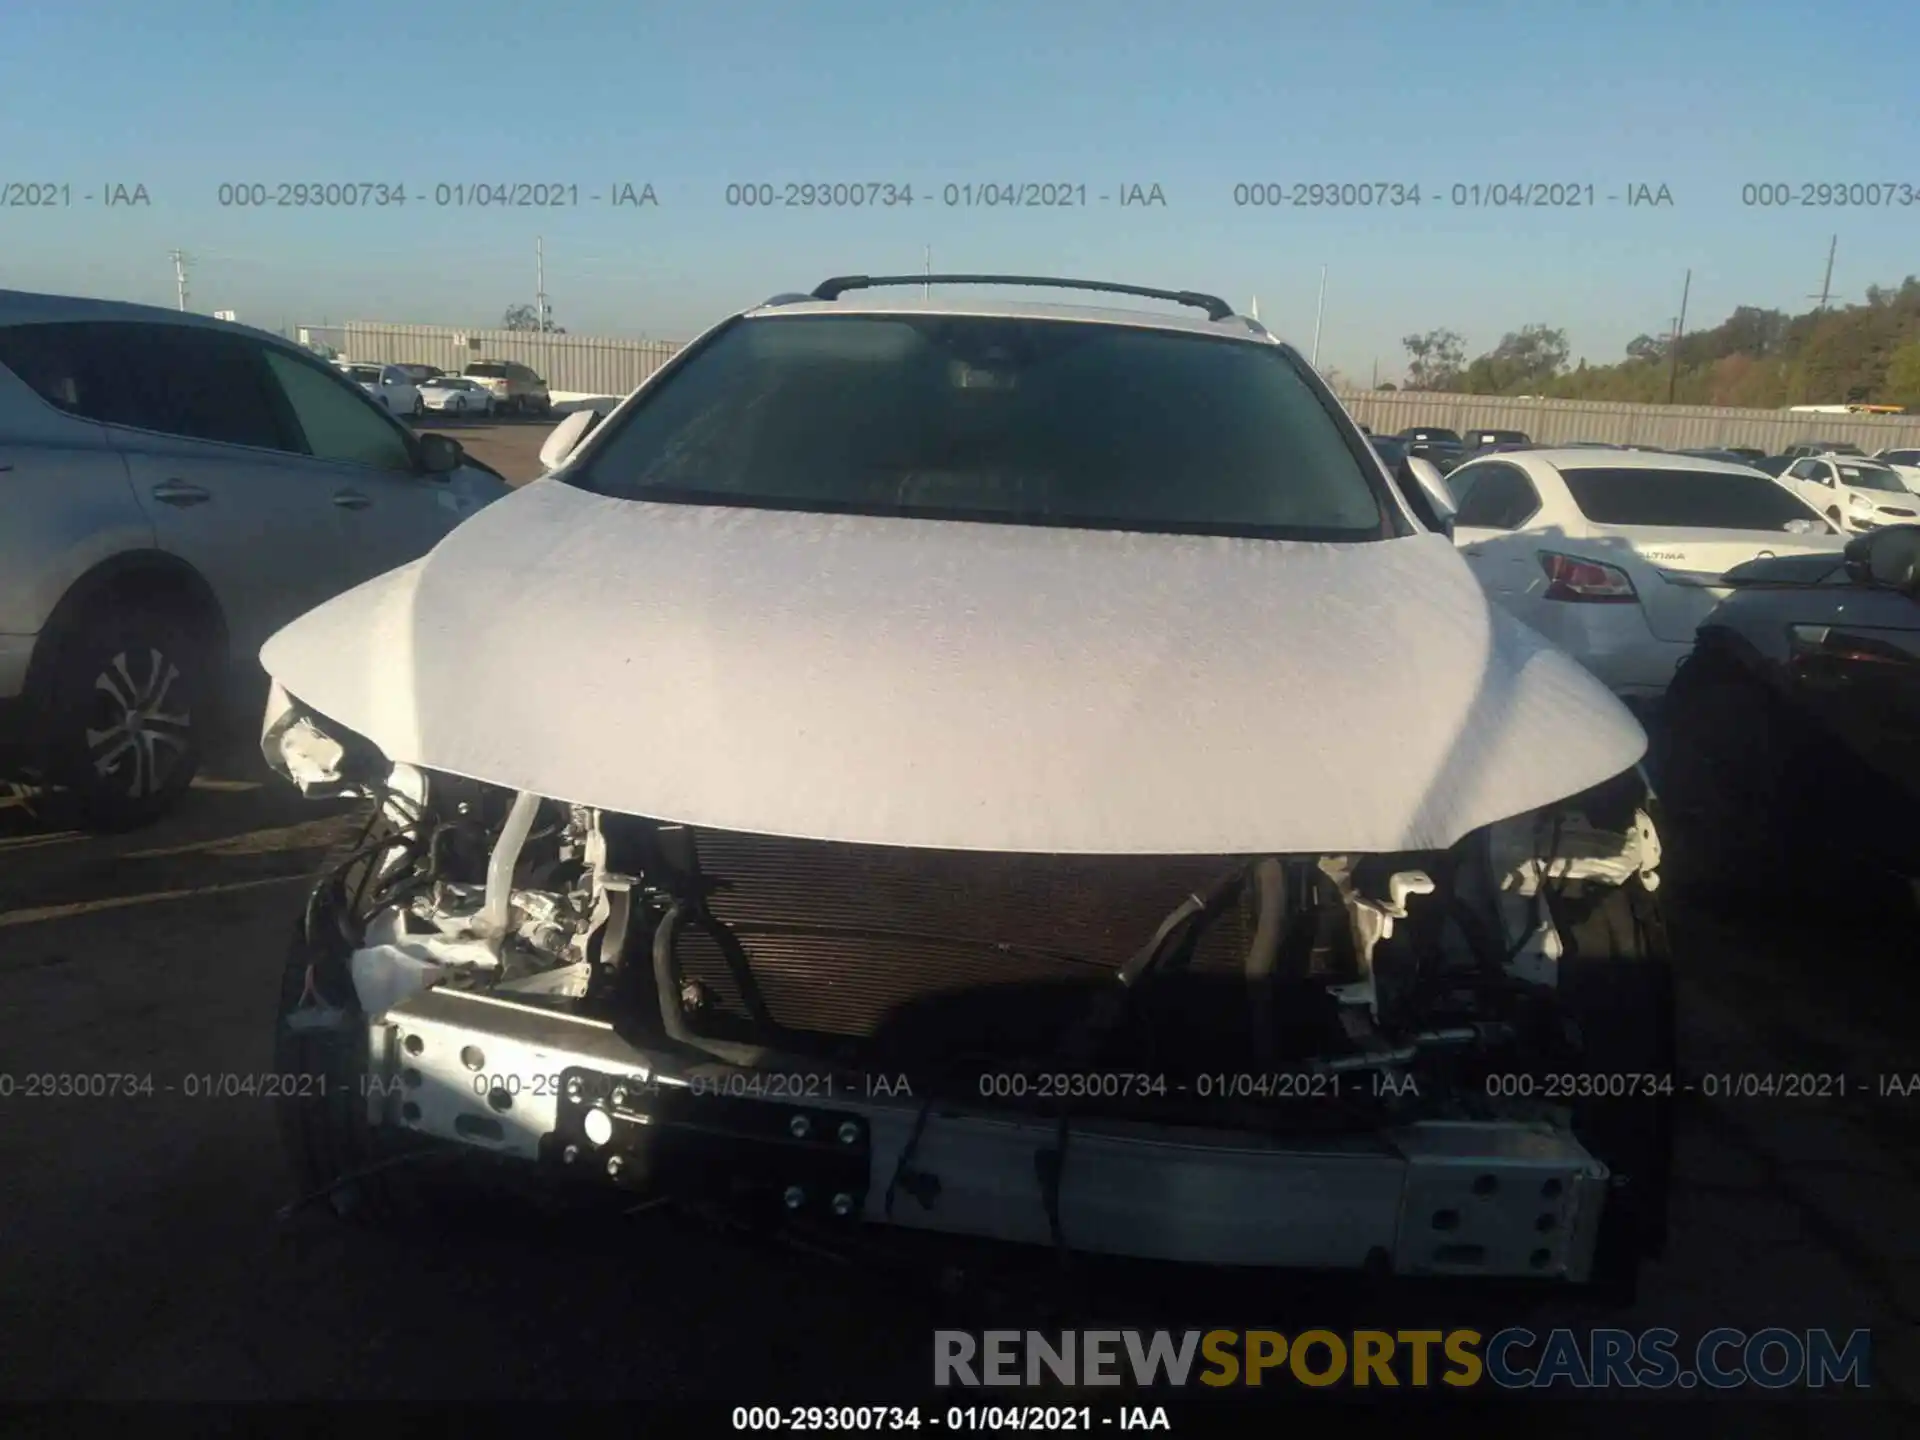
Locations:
(1871, 477)
(1902, 457)
(1443, 437)
(366, 374)
(1688, 499)
(1040, 422)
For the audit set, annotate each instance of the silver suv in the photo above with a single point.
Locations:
(175, 488)
(516, 389)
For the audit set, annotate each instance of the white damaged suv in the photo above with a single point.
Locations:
(1015, 771)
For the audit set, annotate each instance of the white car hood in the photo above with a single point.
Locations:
(957, 685)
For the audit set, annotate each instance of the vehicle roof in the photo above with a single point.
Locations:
(27, 307)
(866, 302)
(1594, 458)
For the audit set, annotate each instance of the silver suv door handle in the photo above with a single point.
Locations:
(178, 492)
(351, 500)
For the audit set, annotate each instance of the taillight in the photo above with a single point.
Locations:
(1588, 581)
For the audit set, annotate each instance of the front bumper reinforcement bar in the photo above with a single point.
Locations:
(1460, 1198)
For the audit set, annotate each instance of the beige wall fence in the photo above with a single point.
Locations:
(1673, 427)
(603, 365)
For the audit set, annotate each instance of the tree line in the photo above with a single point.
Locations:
(1865, 353)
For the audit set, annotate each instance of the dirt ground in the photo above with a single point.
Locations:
(145, 1256)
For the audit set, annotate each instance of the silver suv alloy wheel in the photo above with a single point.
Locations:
(137, 736)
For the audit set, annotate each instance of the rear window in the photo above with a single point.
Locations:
(1017, 420)
(1698, 499)
(488, 372)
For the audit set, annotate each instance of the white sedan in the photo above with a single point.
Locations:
(1855, 493)
(1903, 462)
(1616, 555)
(390, 385)
(457, 395)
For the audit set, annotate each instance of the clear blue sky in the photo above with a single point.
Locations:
(1194, 96)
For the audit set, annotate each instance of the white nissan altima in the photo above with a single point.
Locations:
(1616, 555)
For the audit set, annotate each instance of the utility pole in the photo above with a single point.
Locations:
(1376, 374)
(1319, 310)
(1826, 285)
(1673, 349)
(927, 290)
(540, 283)
(1256, 307)
(180, 263)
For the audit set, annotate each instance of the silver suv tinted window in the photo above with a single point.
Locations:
(1017, 420)
(183, 380)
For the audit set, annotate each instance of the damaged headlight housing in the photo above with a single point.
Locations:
(324, 759)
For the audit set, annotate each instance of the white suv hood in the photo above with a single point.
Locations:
(960, 686)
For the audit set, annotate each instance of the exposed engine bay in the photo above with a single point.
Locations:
(1285, 1059)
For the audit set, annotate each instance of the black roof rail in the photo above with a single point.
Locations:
(1216, 308)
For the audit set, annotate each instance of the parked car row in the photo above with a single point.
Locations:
(485, 388)
(1856, 492)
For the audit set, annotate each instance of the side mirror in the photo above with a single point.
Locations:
(1433, 489)
(566, 437)
(1888, 559)
(440, 454)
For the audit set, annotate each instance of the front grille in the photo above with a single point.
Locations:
(933, 922)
